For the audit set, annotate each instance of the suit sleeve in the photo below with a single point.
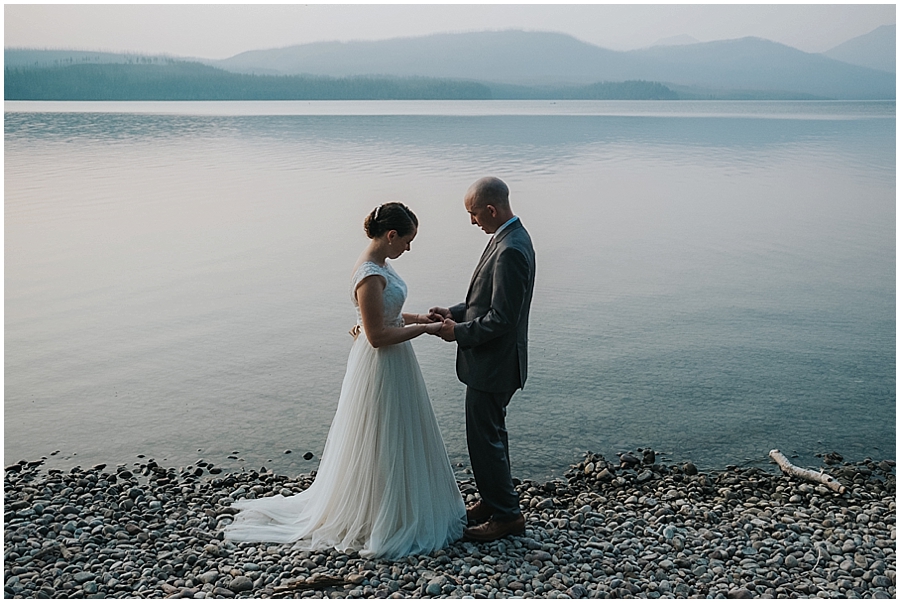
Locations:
(512, 274)
(458, 312)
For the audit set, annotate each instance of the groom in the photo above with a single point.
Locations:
(491, 330)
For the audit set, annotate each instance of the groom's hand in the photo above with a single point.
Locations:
(437, 313)
(433, 328)
(447, 333)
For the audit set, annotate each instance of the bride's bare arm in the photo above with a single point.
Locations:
(416, 319)
(370, 295)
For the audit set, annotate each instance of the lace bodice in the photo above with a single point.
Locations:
(394, 292)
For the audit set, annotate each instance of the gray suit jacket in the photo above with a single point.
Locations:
(492, 329)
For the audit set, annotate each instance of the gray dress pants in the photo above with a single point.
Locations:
(489, 451)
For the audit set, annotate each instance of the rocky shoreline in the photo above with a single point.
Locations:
(629, 528)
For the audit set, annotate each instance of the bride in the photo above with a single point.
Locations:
(384, 486)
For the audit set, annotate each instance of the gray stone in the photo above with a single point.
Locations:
(82, 577)
(240, 584)
(132, 528)
(740, 593)
(577, 592)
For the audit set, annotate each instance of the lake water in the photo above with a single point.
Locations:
(715, 279)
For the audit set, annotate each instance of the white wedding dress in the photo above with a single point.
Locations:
(384, 486)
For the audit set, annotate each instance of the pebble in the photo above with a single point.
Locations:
(240, 584)
(606, 530)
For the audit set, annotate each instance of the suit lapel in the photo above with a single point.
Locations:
(484, 256)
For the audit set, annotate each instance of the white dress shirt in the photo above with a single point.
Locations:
(505, 224)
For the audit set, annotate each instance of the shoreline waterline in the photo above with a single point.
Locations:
(764, 109)
(629, 528)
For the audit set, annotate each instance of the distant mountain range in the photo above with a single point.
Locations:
(519, 64)
(876, 50)
(540, 58)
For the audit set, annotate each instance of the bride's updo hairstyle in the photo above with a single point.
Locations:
(390, 216)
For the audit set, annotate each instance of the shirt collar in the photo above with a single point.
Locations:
(505, 224)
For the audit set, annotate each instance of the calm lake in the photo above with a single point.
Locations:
(715, 279)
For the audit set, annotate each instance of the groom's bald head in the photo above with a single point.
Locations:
(489, 191)
(487, 202)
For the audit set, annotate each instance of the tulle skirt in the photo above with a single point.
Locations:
(384, 486)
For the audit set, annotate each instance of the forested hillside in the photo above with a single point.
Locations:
(182, 80)
(630, 90)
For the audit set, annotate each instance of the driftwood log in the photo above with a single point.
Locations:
(316, 581)
(821, 477)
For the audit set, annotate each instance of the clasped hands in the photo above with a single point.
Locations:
(441, 316)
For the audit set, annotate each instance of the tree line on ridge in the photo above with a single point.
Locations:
(183, 80)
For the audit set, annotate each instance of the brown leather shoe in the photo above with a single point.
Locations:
(494, 530)
(479, 511)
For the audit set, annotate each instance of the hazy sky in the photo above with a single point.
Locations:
(222, 30)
